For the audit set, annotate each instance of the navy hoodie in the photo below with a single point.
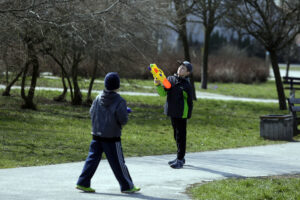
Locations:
(108, 113)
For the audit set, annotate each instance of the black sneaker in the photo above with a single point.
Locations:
(173, 161)
(178, 164)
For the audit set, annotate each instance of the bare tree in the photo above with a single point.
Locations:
(14, 59)
(119, 39)
(59, 56)
(31, 33)
(210, 12)
(73, 31)
(12, 50)
(31, 40)
(69, 31)
(29, 18)
(275, 27)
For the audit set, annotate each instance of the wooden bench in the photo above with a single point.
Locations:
(294, 109)
(292, 83)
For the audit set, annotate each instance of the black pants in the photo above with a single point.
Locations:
(179, 126)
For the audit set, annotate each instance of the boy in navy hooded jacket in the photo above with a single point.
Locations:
(109, 114)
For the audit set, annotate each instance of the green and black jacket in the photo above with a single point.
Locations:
(179, 102)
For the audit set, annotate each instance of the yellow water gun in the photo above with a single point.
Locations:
(158, 74)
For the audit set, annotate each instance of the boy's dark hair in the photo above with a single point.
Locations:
(187, 64)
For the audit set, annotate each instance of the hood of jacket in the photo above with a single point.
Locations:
(180, 79)
(108, 97)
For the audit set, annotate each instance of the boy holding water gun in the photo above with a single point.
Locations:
(179, 106)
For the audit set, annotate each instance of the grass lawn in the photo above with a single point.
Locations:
(274, 187)
(59, 132)
(256, 90)
(126, 84)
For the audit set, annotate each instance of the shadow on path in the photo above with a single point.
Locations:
(134, 196)
(225, 174)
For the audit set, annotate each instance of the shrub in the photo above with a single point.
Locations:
(231, 64)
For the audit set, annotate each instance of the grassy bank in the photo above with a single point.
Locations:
(256, 90)
(275, 187)
(136, 85)
(59, 132)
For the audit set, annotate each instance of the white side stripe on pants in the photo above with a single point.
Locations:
(123, 166)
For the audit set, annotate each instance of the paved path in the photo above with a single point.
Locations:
(200, 95)
(152, 173)
(292, 73)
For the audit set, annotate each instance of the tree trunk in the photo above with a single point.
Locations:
(288, 67)
(279, 85)
(77, 99)
(193, 87)
(205, 59)
(185, 43)
(89, 99)
(7, 66)
(28, 104)
(70, 84)
(62, 97)
(6, 74)
(63, 71)
(187, 57)
(8, 86)
(288, 62)
(23, 95)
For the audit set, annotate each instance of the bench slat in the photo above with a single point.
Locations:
(289, 83)
(291, 78)
(294, 100)
(292, 88)
(295, 108)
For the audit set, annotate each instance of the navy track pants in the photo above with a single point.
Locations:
(114, 155)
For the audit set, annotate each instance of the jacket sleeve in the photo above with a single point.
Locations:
(190, 102)
(161, 91)
(121, 113)
(92, 109)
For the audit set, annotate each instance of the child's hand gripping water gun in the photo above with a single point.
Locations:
(158, 74)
